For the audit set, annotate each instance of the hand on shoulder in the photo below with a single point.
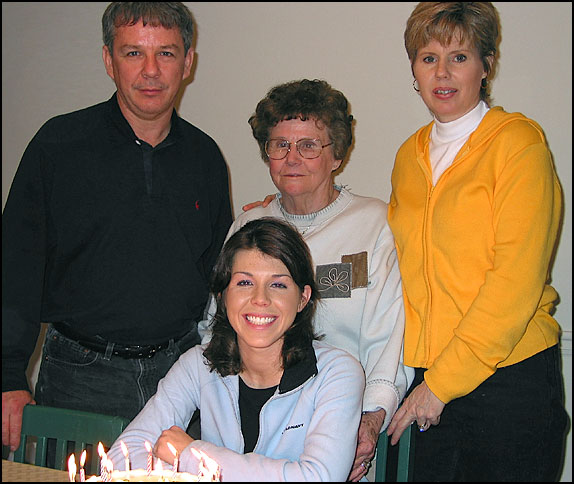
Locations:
(268, 199)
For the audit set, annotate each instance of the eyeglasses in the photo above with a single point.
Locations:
(278, 148)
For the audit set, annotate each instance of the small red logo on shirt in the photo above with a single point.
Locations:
(197, 204)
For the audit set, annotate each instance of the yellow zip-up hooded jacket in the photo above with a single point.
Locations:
(474, 252)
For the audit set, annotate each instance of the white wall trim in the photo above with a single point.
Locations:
(566, 342)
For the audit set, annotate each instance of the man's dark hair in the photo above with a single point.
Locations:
(164, 14)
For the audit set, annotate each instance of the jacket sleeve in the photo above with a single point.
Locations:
(526, 213)
(220, 207)
(330, 440)
(330, 437)
(176, 399)
(24, 248)
(382, 332)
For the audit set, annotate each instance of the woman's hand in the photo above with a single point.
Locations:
(177, 437)
(371, 423)
(264, 203)
(421, 406)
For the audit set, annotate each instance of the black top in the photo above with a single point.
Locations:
(250, 402)
(108, 234)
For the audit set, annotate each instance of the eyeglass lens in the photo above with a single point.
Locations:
(277, 149)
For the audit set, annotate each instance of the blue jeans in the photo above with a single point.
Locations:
(72, 376)
(511, 428)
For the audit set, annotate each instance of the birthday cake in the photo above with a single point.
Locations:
(208, 469)
(141, 475)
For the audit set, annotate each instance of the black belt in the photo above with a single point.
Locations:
(101, 345)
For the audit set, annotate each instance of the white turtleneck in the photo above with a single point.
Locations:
(447, 138)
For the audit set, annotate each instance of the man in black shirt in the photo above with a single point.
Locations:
(114, 220)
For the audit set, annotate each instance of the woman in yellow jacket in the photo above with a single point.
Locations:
(475, 210)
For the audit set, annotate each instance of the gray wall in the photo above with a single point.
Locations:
(51, 64)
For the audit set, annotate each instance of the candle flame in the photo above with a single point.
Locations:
(172, 448)
(175, 457)
(72, 468)
(208, 467)
(101, 452)
(147, 446)
(124, 448)
(83, 458)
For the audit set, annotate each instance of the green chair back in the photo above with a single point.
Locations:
(67, 431)
(404, 463)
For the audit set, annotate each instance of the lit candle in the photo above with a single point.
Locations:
(175, 458)
(126, 455)
(103, 459)
(82, 462)
(109, 470)
(149, 457)
(72, 468)
(208, 469)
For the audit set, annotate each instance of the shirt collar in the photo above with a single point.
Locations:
(461, 127)
(121, 123)
(300, 372)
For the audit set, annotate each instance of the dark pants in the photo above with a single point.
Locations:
(511, 428)
(72, 376)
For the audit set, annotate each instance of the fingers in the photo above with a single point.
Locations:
(251, 205)
(424, 427)
(13, 404)
(398, 430)
(5, 428)
(365, 450)
(398, 427)
(177, 437)
(161, 450)
(15, 428)
(360, 469)
(365, 466)
(421, 406)
(391, 429)
(259, 203)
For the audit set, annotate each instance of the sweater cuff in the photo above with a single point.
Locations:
(381, 394)
(456, 373)
(14, 378)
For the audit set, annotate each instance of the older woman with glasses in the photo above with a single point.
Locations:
(304, 131)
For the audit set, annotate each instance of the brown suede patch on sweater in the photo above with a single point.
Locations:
(360, 270)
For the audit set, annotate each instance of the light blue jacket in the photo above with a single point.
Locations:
(308, 428)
